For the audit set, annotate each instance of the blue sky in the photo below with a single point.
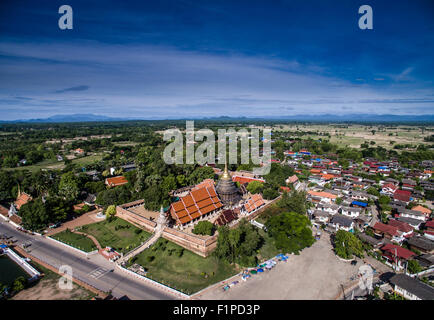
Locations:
(173, 59)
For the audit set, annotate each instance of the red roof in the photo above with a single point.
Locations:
(402, 195)
(429, 224)
(205, 183)
(390, 186)
(293, 179)
(3, 211)
(400, 252)
(116, 181)
(384, 228)
(286, 189)
(402, 226)
(243, 180)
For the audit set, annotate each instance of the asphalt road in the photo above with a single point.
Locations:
(94, 269)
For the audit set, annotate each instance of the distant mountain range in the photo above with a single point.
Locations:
(307, 118)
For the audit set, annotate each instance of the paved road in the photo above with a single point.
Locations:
(94, 270)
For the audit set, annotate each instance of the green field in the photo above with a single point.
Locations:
(188, 273)
(75, 240)
(53, 164)
(118, 234)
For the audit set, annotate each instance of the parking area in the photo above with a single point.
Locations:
(315, 274)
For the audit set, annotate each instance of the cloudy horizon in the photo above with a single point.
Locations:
(215, 59)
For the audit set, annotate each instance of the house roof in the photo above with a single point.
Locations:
(341, 220)
(244, 180)
(390, 186)
(205, 183)
(421, 242)
(422, 209)
(414, 286)
(429, 224)
(368, 239)
(116, 181)
(385, 228)
(195, 204)
(22, 199)
(402, 195)
(292, 179)
(402, 226)
(410, 221)
(322, 194)
(400, 252)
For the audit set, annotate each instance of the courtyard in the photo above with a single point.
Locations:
(316, 274)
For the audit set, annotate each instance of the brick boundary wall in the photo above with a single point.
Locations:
(83, 284)
(202, 247)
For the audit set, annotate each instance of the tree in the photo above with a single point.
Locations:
(110, 212)
(19, 284)
(34, 214)
(68, 186)
(255, 187)
(373, 191)
(204, 228)
(347, 245)
(294, 202)
(414, 266)
(290, 231)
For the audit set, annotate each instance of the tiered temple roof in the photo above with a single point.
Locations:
(254, 203)
(197, 203)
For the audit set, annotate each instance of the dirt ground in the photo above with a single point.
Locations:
(315, 274)
(48, 289)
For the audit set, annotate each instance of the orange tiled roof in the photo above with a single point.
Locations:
(205, 183)
(244, 180)
(254, 202)
(293, 179)
(315, 170)
(195, 204)
(422, 209)
(322, 194)
(116, 181)
(327, 176)
(22, 199)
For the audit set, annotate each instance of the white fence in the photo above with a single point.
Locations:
(71, 247)
(23, 264)
(155, 283)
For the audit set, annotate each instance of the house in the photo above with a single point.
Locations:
(375, 243)
(396, 256)
(388, 231)
(411, 288)
(359, 195)
(359, 204)
(421, 244)
(322, 196)
(425, 211)
(351, 211)
(116, 181)
(406, 213)
(415, 223)
(426, 260)
(404, 228)
(79, 151)
(402, 195)
(321, 216)
(340, 222)
(331, 209)
(408, 184)
(389, 189)
(429, 232)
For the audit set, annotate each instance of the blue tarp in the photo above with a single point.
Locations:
(3, 246)
(360, 204)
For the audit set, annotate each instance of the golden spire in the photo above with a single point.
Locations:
(226, 175)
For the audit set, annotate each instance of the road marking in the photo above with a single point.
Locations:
(98, 273)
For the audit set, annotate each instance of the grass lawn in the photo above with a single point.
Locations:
(75, 240)
(268, 249)
(118, 234)
(188, 273)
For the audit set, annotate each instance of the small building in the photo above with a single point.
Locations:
(411, 288)
(321, 216)
(340, 222)
(253, 203)
(396, 256)
(402, 195)
(226, 217)
(425, 211)
(116, 181)
(421, 244)
(388, 231)
(351, 212)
